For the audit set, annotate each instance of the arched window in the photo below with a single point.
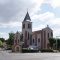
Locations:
(48, 35)
(23, 26)
(18, 40)
(15, 41)
(51, 34)
(28, 35)
(29, 26)
(33, 40)
(38, 39)
(25, 34)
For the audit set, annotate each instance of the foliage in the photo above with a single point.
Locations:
(52, 41)
(0, 43)
(46, 50)
(2, 39)
(26, 50)
(10, 39)
(58, 43)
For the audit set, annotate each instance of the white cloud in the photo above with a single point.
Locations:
(4, 35)
(47, 15)
(55, 21)
(54, 3)
(36, 6)
(41, 26)
(4, 1)
(10, 25)
(43, 17)
(15, 24)
(0, 18)
(57, 32)
(15, 10)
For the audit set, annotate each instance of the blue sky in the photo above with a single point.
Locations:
(42, 13)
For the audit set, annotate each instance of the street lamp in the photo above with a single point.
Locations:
(56, 42)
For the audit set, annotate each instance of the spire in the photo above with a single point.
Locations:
(47, 25)
(27, 17)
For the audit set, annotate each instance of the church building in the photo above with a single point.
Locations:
(37, 38)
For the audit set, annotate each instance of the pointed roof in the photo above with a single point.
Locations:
(27, 17)
(47, 28)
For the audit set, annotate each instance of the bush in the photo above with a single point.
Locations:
(46, 50)
(26, 50)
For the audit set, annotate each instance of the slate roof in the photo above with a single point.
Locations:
(27, 17)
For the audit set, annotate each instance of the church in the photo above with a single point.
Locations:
(37, 38)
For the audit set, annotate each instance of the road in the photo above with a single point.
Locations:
(5, 55)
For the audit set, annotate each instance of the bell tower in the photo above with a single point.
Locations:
(27, 30)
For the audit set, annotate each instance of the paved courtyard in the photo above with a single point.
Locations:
(5, 55)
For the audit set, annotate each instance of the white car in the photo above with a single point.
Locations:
(33, 47)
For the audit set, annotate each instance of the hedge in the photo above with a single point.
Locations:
(46, 50)
(25, 50)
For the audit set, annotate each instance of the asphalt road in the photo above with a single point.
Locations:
(5, 55)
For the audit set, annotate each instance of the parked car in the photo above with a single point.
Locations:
(55, 50)
(33, 47)
(8, 48)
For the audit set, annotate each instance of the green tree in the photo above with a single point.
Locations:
(2, 39)
(52, 41)
(58, 43)
(10, 39)
(0, 43)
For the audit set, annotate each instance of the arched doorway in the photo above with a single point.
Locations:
(17, 49)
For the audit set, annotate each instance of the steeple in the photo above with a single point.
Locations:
(47, 25)
(27, 17)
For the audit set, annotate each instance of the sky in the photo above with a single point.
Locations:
(42, 13)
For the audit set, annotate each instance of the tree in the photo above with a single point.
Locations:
(58, 43)
(52, 41)
(0, 43)
(2, 39)
(10, 39)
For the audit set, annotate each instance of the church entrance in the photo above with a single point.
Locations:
(17, 49)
